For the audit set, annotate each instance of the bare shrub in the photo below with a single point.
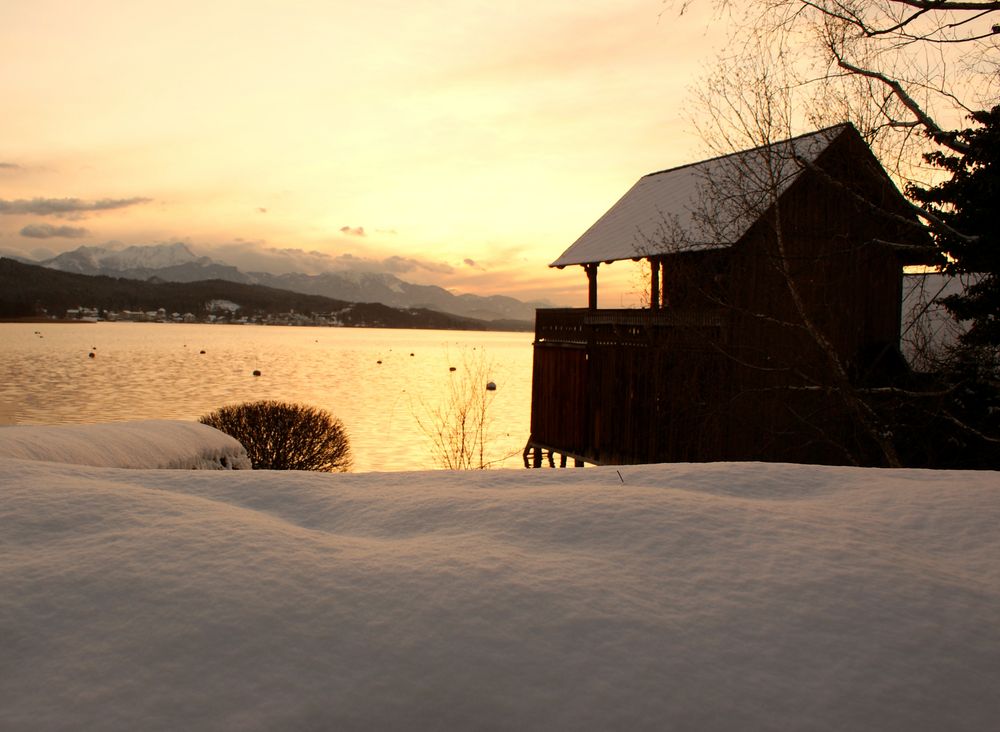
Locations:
(282, 436)
(459, 426)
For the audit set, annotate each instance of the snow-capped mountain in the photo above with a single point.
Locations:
(169, 262)
(100, 260)
(177, 263)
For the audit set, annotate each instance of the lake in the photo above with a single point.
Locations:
(182, 371)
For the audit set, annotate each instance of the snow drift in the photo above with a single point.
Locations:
(708, 597)
(144, 444)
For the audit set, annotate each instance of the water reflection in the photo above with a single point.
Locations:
(174, 371)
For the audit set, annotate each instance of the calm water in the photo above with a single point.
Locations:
(157, 371)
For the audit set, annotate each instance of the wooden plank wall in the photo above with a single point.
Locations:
(559, 398)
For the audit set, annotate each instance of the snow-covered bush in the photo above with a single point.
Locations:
(282, 436)
(155, 443)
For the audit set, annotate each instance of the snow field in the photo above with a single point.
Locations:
(689, 597)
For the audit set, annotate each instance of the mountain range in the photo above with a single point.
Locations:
(31, 291)
(177, 263)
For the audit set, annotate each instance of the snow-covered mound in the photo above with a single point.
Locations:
(712, 597)
(145, 444)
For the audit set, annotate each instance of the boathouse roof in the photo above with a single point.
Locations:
(705, 205)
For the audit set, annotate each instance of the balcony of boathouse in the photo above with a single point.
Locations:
(601, 377)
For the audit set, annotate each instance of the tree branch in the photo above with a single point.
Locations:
(949, 4)
(925, 119)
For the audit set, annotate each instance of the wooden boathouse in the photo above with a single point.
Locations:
(775, 283)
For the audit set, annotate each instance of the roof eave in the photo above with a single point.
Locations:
(563, 263)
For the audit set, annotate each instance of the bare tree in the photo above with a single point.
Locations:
(749, 104)
(894, 68)
(459, 426)
(904, 73)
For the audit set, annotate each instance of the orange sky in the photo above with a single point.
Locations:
(471, 141)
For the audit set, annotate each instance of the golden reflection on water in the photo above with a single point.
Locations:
(181, 371)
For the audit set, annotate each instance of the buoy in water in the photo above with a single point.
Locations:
(452, 368)
(91, 355)
(379, 361)
(491, 386)
(256, 372)
(201, 351)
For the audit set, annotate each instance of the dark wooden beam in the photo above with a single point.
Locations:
(592, 285)
(654, 283)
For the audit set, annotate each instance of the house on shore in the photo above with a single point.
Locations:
(775, 283)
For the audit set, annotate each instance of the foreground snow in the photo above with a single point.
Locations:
(148, 444)
(710, 597)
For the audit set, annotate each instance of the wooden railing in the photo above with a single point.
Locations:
(582, 326)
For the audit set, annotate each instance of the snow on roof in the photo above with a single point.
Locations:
(669, 208)
(691, 597)
(143, 444)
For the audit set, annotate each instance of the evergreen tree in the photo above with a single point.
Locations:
(968, 206)
(963, 430)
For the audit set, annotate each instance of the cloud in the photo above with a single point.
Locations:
(70, 208)
(48, 231)
(9, 166)
(13, 254)
(255, 256)
(472, 263)
(353, 231)
(397, 264)
(261, 209)
(393, 265)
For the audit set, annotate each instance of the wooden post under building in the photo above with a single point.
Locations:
(591, 270)
(654, 283)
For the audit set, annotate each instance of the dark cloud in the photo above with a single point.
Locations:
(472, 263)
(48, 231)
(353, 231)
(65, 207)
(9, 166)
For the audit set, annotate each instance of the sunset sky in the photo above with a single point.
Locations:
(470, 141)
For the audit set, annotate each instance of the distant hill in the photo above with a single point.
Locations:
(177, 263)
(26, 290)
(390, 290)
